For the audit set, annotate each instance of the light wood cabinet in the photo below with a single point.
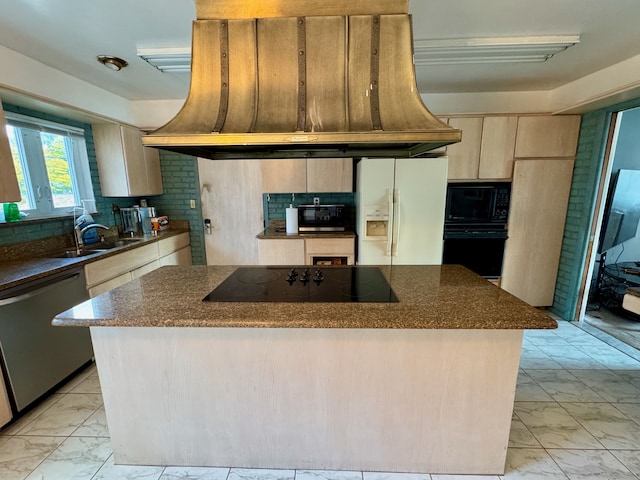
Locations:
(497, 147)
(111, 272)
(5, 407)
(9, 189)
(547, 136)
(330, 247)
(307, 175)
(464, 157)
(329, 175)
(284, 176)
(126, 168)
(281, 251)
(539, 199)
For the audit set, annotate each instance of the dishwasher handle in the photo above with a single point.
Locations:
(28, 291)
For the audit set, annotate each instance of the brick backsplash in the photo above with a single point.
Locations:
(275, 204)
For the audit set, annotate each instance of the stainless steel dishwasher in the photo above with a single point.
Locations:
(36, 356)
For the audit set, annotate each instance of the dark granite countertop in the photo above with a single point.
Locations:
(277, 230)
(430, 297)
(39, 263)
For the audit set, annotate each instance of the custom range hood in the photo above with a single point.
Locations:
(302, 78)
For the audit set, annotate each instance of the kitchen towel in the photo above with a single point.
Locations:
(292, 220)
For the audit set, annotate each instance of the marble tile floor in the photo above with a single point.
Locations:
(576, 416)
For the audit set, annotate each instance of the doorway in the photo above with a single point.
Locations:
(614, 258)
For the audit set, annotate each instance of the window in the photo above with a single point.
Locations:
(51, 164)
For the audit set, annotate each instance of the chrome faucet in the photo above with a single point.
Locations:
(79, 231)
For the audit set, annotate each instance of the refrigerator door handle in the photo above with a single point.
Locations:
(396, 222)
(390, 197)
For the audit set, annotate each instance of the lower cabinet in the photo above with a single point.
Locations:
(281, 252)
(5, 406)
(111, 272)
(310, 251)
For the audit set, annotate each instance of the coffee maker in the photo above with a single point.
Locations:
(146, 213)
(130, 220)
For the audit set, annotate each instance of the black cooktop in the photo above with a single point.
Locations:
(304, 284)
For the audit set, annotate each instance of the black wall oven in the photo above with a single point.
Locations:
(475, 231)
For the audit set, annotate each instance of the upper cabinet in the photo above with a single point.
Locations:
(329, 175)
(547, 136)
(310, 175)
(496, 150)
(464, 157)
(126, 168)
(9, 189)
(490, 144)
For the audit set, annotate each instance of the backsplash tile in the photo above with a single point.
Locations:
(275, 204)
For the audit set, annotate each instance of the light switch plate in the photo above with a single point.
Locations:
(192, 203)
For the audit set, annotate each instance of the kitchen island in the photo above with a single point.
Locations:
(422, 385)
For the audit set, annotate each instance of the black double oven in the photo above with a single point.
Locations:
(475, 229)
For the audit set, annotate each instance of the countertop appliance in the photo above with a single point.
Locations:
(475, 230)
(36, 356)
(322, 218)
(400, 210)
(303, 284)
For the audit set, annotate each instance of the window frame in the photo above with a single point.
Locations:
(30, 152)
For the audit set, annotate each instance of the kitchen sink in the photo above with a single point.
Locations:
(76, 254)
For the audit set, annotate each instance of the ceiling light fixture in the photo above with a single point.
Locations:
(491, 50)
(167, 60)
(112, 63)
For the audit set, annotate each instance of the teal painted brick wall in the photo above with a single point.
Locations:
(180, 180)
(582, 202)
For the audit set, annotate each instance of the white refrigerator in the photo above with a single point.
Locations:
(400, 206)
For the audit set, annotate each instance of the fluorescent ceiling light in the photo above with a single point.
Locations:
(167, 59)
(490, 50)
(426, 52)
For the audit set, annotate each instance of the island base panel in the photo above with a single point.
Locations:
(427, 401)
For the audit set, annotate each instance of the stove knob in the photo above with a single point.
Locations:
(318, 277)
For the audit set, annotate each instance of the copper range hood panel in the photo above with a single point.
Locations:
(283, 79)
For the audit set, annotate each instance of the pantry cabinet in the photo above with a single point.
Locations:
(539, 199)
(307, 175)
(126, 168)
(9, 189)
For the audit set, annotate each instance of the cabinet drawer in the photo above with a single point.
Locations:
(149, 267)
(170, 245)
(109, 284)
(330, 245)
(111, 267)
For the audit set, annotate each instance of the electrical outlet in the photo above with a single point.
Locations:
(316, 200)
(115, 209)
(192, 203)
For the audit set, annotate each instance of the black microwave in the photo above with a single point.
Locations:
(477, 203)
(321, 218)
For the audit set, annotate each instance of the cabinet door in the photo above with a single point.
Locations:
(179, 257)
(497, 148)
(464, 157)
(9, 189)
(284, 176)
(152, 168)
(125, 167)
(547, 136)
(5, 406)
(539, 198)
(329, 175)
(281, 252)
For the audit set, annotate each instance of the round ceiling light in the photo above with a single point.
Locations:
(113, 63)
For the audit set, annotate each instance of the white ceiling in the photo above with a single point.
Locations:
(69, 34)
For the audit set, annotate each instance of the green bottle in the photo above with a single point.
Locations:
(11, 212)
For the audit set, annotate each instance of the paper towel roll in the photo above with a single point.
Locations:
(292, 221)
